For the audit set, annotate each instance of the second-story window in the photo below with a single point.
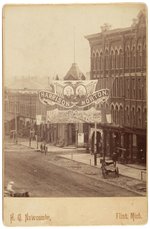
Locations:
(133, 89)
(121, 118)
(97, 62)
(144, 55)
(133, 118)
(101, 61)
(93, 62)
(115, 59)
(133, 58)
(127, 88)
(120, 87)
(139, 89)
(127, 115)
(117, 114)
(120, 59)
(127, 58)
(106, 60)
(144, 116)
(139, 116)
(112, 60)
(139, 57)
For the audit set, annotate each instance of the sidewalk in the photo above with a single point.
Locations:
(51, 148)
(126, 170)
(78, 154)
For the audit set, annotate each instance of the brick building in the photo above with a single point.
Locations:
(20, 108)
(120, 55)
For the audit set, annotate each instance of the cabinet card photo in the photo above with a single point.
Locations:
(75, 114)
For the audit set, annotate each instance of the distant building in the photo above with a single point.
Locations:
(20, 106)
(68, 133)
(119, 56)
(23, 105)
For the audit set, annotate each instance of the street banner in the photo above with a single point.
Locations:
(71, 94)
(108, 118)
(80, 139)
(74, 116)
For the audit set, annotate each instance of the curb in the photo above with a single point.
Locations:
(105, 180)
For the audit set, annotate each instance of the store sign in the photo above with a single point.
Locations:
(40, 119)
(74, 116)
(69, 94)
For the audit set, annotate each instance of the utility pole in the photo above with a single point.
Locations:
(37, 129)
(16, 138)
(95, 144)
(74, 39)
(95, 141)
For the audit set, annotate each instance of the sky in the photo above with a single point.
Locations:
(39, 40)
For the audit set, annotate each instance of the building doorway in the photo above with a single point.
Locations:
(71, 134)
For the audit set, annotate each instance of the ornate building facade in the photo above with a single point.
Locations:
(118, 61)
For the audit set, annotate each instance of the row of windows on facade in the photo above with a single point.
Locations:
(21, 109)
(128, 87)
(134, 88)
(133, 117)
(118, 60)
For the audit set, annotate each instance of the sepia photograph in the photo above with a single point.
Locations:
(75, 114)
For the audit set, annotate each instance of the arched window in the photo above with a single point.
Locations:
(139, 118)
(106, 60)
(144, 116)
(120, 59)
(127, 115)
(139, 88)
(106, 106)
(121, 87)
(112, 113)
(127, 59)
(93, 61)
(121, 117)
(112, 60)
(101, 61)
(144, 54)
(133, 58)
(97, 62)
(139, 56)
(117, 115)
(133, 118)
(127, 88)
(116, 60)
(133, 88)
(116, 88)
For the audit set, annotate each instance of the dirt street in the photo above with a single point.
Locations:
(34, 172)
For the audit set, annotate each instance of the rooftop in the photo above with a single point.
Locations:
(74, 73)
(118, 30)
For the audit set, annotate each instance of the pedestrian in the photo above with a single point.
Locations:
(41, 148)
(46, 149)
(114, 157)
(10, 189)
